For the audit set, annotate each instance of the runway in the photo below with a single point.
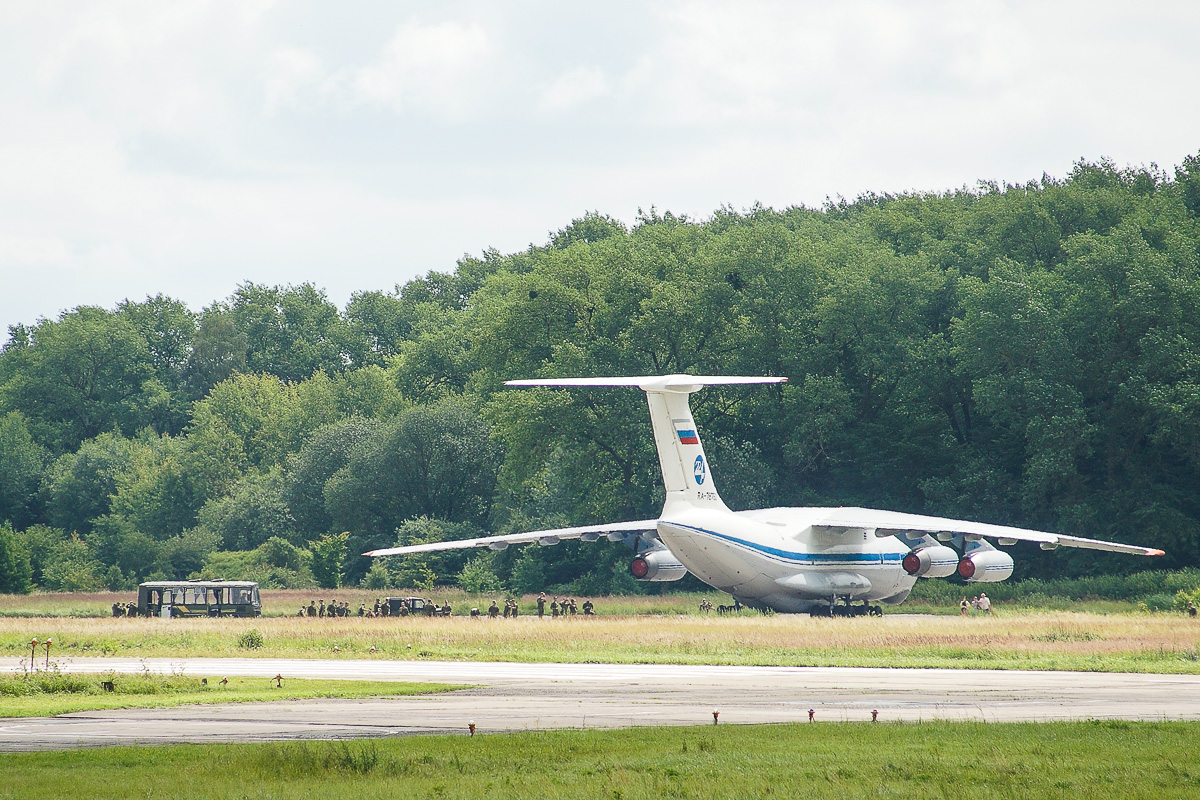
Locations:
(507, 697)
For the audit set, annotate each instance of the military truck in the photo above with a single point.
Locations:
(407, 606)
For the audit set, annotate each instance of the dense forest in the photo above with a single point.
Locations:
(1018, 354)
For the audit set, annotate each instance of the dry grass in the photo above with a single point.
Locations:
(1039, 640)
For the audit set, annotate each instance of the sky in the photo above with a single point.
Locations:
(185, 147)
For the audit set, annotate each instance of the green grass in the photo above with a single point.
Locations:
(974, 761)
(43, 694)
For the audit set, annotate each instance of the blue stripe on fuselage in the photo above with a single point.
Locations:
(799, 558)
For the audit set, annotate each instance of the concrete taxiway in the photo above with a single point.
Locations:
(503, 697)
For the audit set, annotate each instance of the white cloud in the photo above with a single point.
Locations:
(290, 74)
(441, 66)
(573, 89)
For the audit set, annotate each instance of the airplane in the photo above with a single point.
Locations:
(819, 561)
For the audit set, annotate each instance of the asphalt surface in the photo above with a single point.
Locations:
(513, 697)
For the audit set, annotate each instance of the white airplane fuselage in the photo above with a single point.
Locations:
(779, 558)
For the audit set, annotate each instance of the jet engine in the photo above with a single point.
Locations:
(657, 565)
(935, 561)
(985, 566)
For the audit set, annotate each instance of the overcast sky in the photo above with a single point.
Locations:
(184, 147)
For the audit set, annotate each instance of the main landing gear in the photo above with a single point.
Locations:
(845, 609)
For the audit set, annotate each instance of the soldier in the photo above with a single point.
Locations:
(362, 609)
(118, 610)
(574, 608)
(321, 609)
(131, 609)
(302, 612)
(554, 608)
(588, 608)
(377, 606)
(507, 607)
(494, 610)
(514, 608)
(541, 605)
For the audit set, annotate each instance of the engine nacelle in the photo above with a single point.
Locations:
(936, 561)
(985, 566)
(657, 565)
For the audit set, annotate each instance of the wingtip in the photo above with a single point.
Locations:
(1156, 552)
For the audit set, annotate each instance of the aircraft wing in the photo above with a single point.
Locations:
(547, 537)
(887, 523)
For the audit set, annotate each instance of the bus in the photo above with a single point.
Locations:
(199, 599)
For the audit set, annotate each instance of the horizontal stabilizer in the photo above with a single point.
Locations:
(650, 383)
(887, 523)
(548, 537)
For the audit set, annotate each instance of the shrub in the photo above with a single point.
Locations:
(250, 640)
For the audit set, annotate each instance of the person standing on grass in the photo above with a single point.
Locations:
(963, 606)
(985, 603)
(541, 604)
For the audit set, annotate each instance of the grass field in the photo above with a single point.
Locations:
(1054, 640)
(973, 761)
(42, 694)
(934, 599)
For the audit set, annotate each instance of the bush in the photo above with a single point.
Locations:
(250, 640)
(478, 576)
(1156, 602)
(377, 576)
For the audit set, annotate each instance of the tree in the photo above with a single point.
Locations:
(218, 351)
(438, 461)
(80, 485)
(292, 331)
(168, 328)
(15, 569)
(254, 513)
(376, 325)
(327, 451)
(328, 554)
(84, 374)
(22, 465)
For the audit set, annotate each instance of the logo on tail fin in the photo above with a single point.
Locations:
(698, 469)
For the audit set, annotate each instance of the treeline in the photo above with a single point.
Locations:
(1024, 354)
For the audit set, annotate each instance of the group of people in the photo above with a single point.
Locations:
(564, 607)
(124, 609)
(335, 608)
(979, 603)
(511, 609)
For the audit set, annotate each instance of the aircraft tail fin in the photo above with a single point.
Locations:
(685, 472)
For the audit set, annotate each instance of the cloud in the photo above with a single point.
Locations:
(572, 89)
(441, 66)
(184, 147)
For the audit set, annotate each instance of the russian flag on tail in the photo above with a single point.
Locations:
(687, 436)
